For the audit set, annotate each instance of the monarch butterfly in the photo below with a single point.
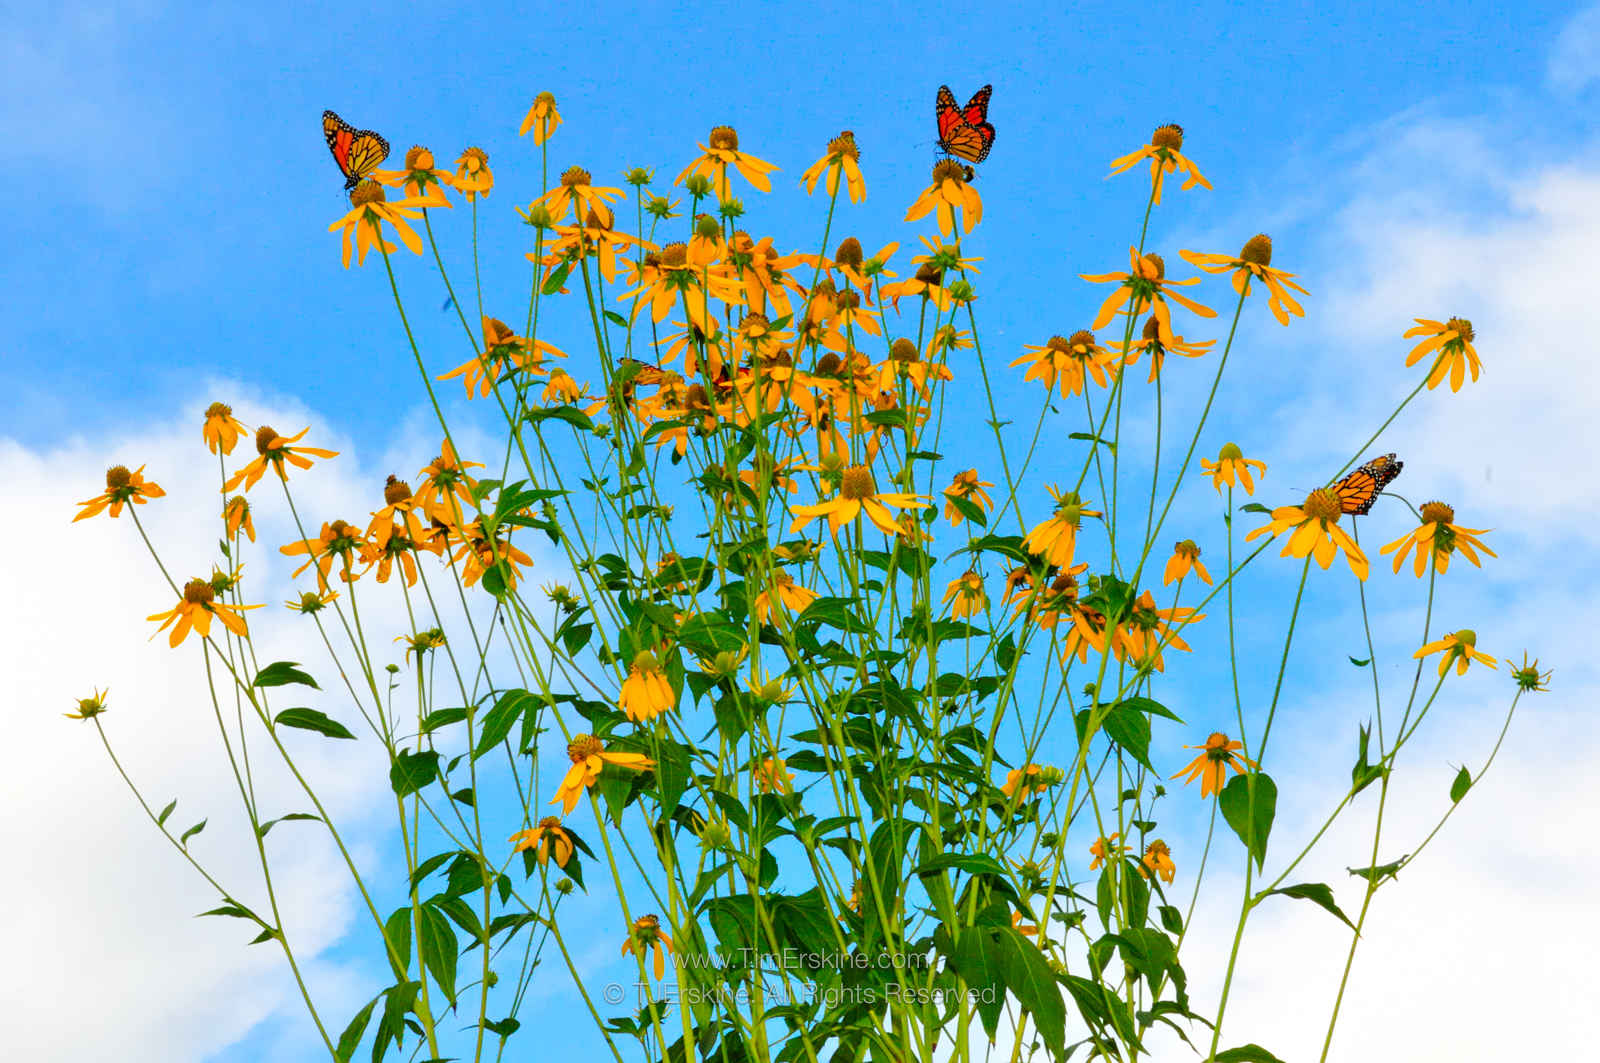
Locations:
(1357, 491)
(357, 151)
(964, 132)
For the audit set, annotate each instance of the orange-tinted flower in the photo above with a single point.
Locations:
(1211, 766)
(122, 487)
(543, 119)
(577, 192)
(1438, 537)
(947, 195)
(446, 489)
(547, 839)
(195, 610)
(772, 776)
(648, 937)
(1459, 648)
(1185, 555)
(221, 428)
(646, 693)
(966, 596)
(842, 158)
(274, 450)
(588, 755)
(789, 596)
(1453, 340)
(1232, 467)
(857, 493)
(1254, 260)
(1316, 531)
(1165, 157)
(1150, 341)
(338, 541)
(968, 487)
(1158, 858)
(421, 181)
(1145, 287)
(473, 175)
(1056, 539)
(368, 213)
(1024, 781)
(723, 152)
(1066, 362)
(236, 515)
(90, 707)
(1105, 849)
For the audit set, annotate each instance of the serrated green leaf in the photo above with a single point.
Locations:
(1315, 892)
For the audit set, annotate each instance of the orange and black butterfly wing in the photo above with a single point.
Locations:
(964, 132)
(946, 112)
(1359, 490)
(356, 151)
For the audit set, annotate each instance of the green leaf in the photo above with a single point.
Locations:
(570, 414)
(1130, 729)
(312, 720)
(498, 721)
(442, 718)
(1377, 874)
(161, 820)
(1459, 788)
(977, 960)
(1315, 892)
(1254, 507)
(557, 279)
(191, 832)
(352, 1033)
(397, 929)
(437, 946)
(1251, 1053)
(1151, 706)
(1360, 663)
(616, 318)
(282, 673)
(261, 831)
(410, 772)
(1030, 980)
(1172, 919)
(233, 910)
(1089, 437)
(1254, 816)
(1363, 774)
(975, 863)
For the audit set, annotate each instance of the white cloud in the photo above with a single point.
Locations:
(117, 965)
(1575, 59)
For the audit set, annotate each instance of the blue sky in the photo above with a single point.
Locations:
(171, 227)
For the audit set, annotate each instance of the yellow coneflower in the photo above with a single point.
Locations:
(1150, 341)
(338, 541)
(588, 755)
(274, 450)
(1145, 286)
(1316, 531)
(789, 596)
(646, 937)
(646, 693)
(368, 212)
(312, 602)
(1459, 648)
(842, 158)
(473, 175)
(1105, 849)
(1158, 858)
(965, 595)
(221, 430)
(967, 486)
(1211, 766)
(949, 194)
(772, 776)
(718, 155)
(547, 839)
(1185, 556)
(122, 487)
(1147, 630)
(1453, 340)
(480, 553)
(857, 494)
(421, 180)
(195, 610)
(1066, 362)
(236, 517)
(1231, 468)
(446, 489)
(1165, 155)
(90, 707)
(1024, 781)
(1255, 260)
(1056, 539)
(542, 118)
(1438, 536)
